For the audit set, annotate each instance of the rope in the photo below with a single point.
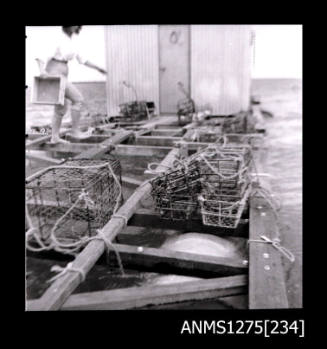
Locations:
(124, 218)
(108, 244)
(63, 271)
(239, 173)
(276, 243)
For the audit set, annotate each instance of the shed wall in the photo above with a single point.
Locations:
(132, 56)
(220, 66)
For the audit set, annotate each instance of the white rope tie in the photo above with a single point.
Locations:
(62, 271)
(124, 218)
(275, 243)
(109, 244)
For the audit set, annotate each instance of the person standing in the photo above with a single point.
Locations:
(57, 64)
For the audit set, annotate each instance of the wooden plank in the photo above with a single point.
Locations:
(105, 146)
(41, 140)
(131, 181)
(267, 289)
(136, 297)
(33, 136)
(177, 132)
(157, 141)
(158, 121)
(61, 289)
(66, 148)
(145, 217)
(91, 139)
(42, 158)
(161, 259)
(140, 150)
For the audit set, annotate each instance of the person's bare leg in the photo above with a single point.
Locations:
(59, 113)
(77, 100)
(76, 116)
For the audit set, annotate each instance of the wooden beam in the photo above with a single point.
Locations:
(61, 289)
(267, 289)
(177, 132)
(91, 139)
(158, 121)
(157, 141)
(136, 297)
(105, 146)
(131, 181)
(145, 217)
(42, 158)
(41, 140)
(65, 148)
(165, 260)
(140, 150)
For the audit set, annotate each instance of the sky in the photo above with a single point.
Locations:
(277, 54)
(278, 51)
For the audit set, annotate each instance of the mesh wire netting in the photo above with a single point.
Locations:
(57, 190)
(185, 107)
(134, 111)
(223, 210)
(214, 183)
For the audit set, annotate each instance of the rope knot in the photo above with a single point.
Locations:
(276, 243)
(62, 271)
(84, 195)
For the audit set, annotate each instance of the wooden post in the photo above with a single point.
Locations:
(267, 288)
(136, 297)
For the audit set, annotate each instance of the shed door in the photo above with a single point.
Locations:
(174, 65)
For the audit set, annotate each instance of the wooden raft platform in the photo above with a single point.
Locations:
(229, 278)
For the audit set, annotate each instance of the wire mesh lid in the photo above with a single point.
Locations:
(74, 173)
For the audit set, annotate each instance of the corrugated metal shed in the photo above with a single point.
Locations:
(219, 59)
(132, 56)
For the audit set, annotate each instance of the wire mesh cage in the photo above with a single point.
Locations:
(225, 170)
(185, 107)
(175, 191)
(223, 210)
(177, 180)
(134, 111)
(74, 199)
(177, 207)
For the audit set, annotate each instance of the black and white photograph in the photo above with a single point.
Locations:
(163, 168)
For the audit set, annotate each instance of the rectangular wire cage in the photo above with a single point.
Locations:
(177, 207)
(175, 192)
(75, 198)
(223, 210)
(178, 180)
(225, 172)
(134, 111)
(185, 107)
(209, 136)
